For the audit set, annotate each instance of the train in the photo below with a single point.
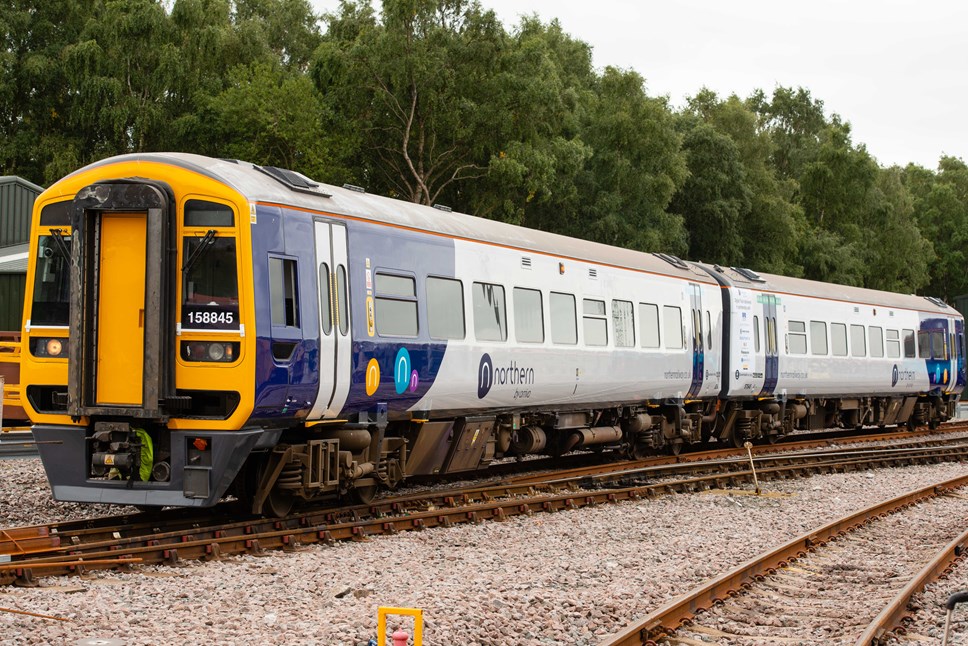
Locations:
(201, 329)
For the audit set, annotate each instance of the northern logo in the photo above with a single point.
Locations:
(513, 375)
(894, 376)
(485, 376)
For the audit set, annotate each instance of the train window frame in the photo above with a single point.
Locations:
(623, 323)
(440, 301)
(939, 345)
(54, 294)
(395, 309)
(924, 344)
(564, 318)
(756, 334)
(207, 218)
(594, 322)
(819, 346)
(709, 331)
(527, 320)
(326, 298)
(284, 283)
(342, 300)
(649, 326)
(910, 343)
(893, 338)
(876, 345)
(483, 308)
(838, 339)
(858, 340)
(797, 337)
(672, 327)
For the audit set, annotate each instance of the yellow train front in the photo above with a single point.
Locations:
(140, 349)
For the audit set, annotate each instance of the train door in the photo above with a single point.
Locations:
(334, 323)
(770, 345)
(695, 301)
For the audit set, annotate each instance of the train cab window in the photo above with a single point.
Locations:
(623, 324)
(838, 339)
(490, 313)
(564, 322)
(672, 327)
(909, 344)
(445, 308)
(396, 305)
(528, 316)
(649, 325)
(818, 338)
(858, 341)
(797, 337)
(210, 288)
(876, 337)
(893, 344)
(199, 213)
(594, 323)
(52, 281)
(283, 292)
(756, 334)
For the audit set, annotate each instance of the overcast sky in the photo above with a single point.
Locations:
(897, 71)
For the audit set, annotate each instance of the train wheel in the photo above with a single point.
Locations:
(738, 439)
(363, 495)
(675, 448)
(278, 503)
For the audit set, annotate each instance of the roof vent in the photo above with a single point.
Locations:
(443, 207)
(293, 180)
(749, 274)
(356, 189)
(937, 301)
(675, 261)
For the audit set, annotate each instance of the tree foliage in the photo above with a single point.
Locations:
(438, 101)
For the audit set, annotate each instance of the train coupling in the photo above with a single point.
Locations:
(117, 449)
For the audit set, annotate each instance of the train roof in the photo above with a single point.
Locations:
(270, 185)
(745, 278)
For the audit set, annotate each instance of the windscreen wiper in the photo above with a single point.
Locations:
(203, 246)
(57, 236)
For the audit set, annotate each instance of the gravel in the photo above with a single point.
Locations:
(571, 577)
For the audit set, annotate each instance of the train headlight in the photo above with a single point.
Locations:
(55, 348)
(209, 351)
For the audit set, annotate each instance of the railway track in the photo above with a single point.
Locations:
(848, 581)
(118, 542)
(18, 443)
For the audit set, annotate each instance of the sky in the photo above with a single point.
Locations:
(897, 71)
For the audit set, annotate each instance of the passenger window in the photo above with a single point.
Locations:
(325, 298)
(818, 338)
(909, 344)
(893, 344)
(649, 325)
(672, 327)
(858, 342)
(528, 316)
(283, 292)
(396, 305)
(924, 344)
(938, 349)
(490, 313)
(594, 323)
(756, 334)
(797, 338)
(771, 335)
(342, 310)
(564, 323)
(623, 324)
(876, 338)
(838, 339)
(445, 308)
(709, 331)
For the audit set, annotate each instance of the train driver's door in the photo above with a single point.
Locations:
(334, 319)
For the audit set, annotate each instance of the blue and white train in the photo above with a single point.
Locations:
(202, 327)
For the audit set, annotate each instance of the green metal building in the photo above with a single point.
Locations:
(17, 197)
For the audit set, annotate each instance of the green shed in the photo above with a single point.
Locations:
(17, 197)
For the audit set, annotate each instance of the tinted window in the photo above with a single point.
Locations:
(199, 213)
(649, 325)
(876, 338)
(283, 292)
(528, 316)
(623, 324)
(490, 315)
(672, 327)
(396, 305)
(858, 343)
(445, 308)
(909, 344)
(564, 324)
(818, 338)
(594, 324)
(838, 339)
(924, 344)
(52, 282)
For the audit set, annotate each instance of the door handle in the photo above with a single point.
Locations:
(141, 318)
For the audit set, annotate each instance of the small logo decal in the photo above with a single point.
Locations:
(401, 371)
(372, 377)
(485, 376)
(894, 376)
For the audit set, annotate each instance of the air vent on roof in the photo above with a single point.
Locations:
(593, 273)
(672, 260)
(351, 187)
(293, 180)
(749, 274)
(525, 262)
(443, 207)
(936, 301)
